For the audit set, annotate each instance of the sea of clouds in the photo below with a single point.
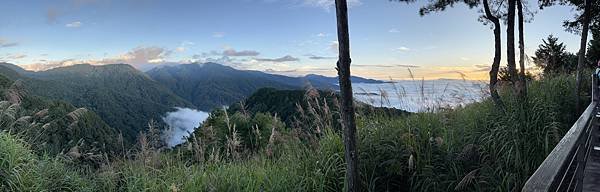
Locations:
(419, 96)
(409, 95)
(181, 123)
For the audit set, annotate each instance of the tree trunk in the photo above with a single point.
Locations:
(522, 79)
(497, 55)
(582, 49)
(347, 103)
(510, 39)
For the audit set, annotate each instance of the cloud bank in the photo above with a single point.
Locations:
(137, 57)
(181, 123)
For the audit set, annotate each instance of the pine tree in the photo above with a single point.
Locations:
(552, 57)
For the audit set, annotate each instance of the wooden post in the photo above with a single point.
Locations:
(347, 102)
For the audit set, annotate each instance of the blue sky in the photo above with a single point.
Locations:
(291, 37)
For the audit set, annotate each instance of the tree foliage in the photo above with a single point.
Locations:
(575, 24)
(593, 52)
(552, 57)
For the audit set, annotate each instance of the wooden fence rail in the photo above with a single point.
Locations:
(563, 169)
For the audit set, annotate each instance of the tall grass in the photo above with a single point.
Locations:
(472, 148)
(22, 170)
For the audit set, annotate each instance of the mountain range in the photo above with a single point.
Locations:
(126, 98)
(123, 96)
(211, 85)
(54, 126)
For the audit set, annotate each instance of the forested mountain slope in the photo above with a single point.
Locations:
(123, 96)
(53, 126)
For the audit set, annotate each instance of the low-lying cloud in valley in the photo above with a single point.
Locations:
(181, 123)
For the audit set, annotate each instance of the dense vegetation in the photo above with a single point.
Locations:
(290, 105)
(552, 57)
(124, 97)
(471, 148)
(54, 127)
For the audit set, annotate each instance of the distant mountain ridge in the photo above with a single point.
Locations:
(127, 98)
(210, 85)
(335, 80)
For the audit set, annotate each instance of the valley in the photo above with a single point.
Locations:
(127, 99)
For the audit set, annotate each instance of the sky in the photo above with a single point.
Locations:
(389, 40)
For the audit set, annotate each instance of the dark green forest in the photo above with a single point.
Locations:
(123, 96)
(55, 126)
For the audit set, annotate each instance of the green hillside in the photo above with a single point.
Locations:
(123, 96)
(53, 126)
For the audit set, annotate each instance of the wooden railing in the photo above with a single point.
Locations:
(563, 169)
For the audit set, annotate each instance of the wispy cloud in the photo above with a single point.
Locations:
(45, 64)
(218, 34)
(6, 43)
(225, 60)
(16, 56)
(408, 66)
(394, 30)
(141, 55)
(322, 35)
(481, 68)
(334, 46)
(314, 57)
(387, 66)
(229, 52)
(12, 57)
(234, 53)
(75, 24)
(183, 46)
(465, 58)
(403, 49)
(286, 58)
(269, 70)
